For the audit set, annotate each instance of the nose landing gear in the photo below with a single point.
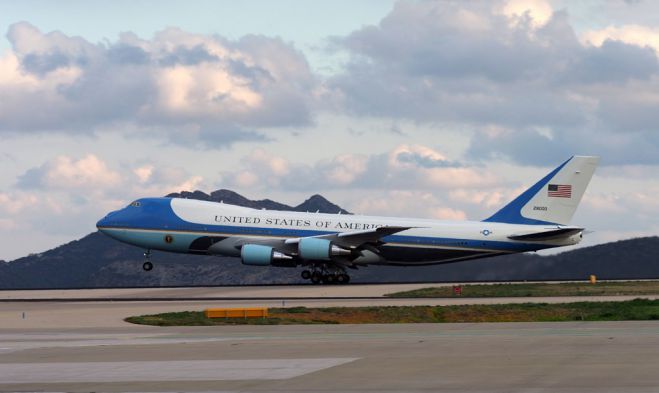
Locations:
(147, 266)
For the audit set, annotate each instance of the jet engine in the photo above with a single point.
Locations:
(259, 255)
(312, 248)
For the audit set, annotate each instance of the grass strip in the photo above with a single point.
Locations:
(633, 310)
(629, 288)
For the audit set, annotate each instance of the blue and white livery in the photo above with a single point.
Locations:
(326, 245)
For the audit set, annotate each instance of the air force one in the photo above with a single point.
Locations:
(326, 245)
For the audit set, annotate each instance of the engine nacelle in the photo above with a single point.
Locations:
(319, 249)
(259, 255)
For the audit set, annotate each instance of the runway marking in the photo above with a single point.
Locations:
(20, 342)
(189, 370)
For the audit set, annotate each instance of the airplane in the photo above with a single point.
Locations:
(327, 245)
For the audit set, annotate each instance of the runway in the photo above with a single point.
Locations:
(108, 307)
(85, 346)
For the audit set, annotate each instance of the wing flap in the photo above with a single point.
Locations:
(549, 234)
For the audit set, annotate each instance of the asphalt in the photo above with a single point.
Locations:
(85, 346)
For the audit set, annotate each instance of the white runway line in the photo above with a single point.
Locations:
(19, 342)
(190, 370)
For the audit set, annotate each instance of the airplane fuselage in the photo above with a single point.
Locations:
(200, 227)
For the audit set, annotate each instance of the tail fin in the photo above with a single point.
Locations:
(554, 199)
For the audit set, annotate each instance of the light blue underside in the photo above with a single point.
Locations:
(154, 239)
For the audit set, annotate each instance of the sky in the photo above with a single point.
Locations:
(433, 109)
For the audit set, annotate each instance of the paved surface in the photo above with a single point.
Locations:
(85, 346)
(197, 292)
(520, 357)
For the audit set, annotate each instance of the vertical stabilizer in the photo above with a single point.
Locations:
(554, 199)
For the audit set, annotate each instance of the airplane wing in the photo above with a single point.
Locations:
(349, 240)
(357, 238)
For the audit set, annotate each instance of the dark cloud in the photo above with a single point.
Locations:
(128, 54)
(188, 56)
(613, 62)
(42, 64)
(214, 137)
(31, 179)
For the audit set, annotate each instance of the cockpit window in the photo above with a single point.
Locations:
(136, 204)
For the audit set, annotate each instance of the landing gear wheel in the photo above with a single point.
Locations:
(329, 279)
(342, 279)
(147, 266)
(316, 278)
(306, 274)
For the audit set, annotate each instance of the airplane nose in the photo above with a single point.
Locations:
(101, 223)
(105, 221)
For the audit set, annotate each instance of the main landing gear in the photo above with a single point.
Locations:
(147, 266)
(325, 276)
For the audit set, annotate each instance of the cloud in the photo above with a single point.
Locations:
(66, 195)
(10, 204)
(90, 177)
(404, 167)
(517, 66)
(64, 172)
(220, 89)
(633, 34)
(535, 12)
(406, 203)
(423, 157)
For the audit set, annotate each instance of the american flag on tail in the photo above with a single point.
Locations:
(559, 191)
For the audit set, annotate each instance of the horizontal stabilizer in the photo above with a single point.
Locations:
(549, 234)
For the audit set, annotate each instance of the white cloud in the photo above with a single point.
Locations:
(345, 169)
(91, 177)
(404, 167)
(538, 11)
(630, 34)
(14, 204)
(64, 172)
(144, 173)
(446, 213)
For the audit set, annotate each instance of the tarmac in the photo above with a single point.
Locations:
(84, 346)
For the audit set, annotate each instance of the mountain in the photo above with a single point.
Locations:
(98, 261)
(314, 203)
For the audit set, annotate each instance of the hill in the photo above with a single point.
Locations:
(98, 261)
